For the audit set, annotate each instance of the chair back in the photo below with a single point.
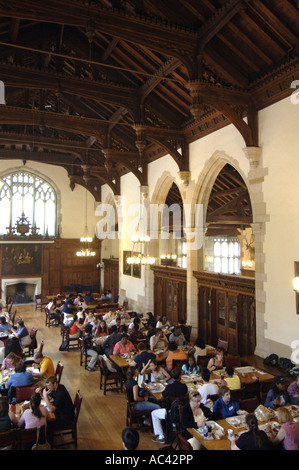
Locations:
(183, 444)
(178, 363)
(222, 344)
(249, 404)
(9, 308)
(12, 317)
(188, 335)
(8, 438)
(22, 393)
(41, 347)
(233, 361)
(28, 436)
(77, 404)
(58, 372)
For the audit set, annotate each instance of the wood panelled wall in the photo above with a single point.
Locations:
(61, 267)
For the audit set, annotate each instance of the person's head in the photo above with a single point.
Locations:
(159, 333)
(20, 323)
(141, 347)
(117, 321)
(252, 425)
(283, 415)
(88, 328)
(2, 320)
(177, 331)
(4, 406)
(153, 365)
(191, 360)
(51, 383)
(172, 346)
(103, 324)
(38, 357)
(200, 343)
(181, 322)
(194, 398)
(230, 371)
(163, 319)
(205, 374)
(130, 438)
(175, 373)
(35, 401)
(219, 354)
(279, 383)
(224, 393)
(113, 329)
(124, 339)
(20, 367)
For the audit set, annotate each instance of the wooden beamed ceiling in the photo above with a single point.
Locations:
(103, 87)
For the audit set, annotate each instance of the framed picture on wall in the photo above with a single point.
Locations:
(21, 259)
(127, 268)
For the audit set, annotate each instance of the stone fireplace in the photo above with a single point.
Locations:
(21, 290)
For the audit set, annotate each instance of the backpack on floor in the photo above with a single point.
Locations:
(271, 360)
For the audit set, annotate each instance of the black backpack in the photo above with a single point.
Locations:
(271, 360)
(285, 364)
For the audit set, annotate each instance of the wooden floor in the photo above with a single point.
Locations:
(101, 418)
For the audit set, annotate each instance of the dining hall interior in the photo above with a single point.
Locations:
(149, 150)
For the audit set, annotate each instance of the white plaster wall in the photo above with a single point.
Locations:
(280, 153)
(71, 212)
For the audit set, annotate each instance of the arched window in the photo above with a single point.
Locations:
(22, 191)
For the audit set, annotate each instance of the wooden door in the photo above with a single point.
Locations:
(226, 319)
(247, 336)
(204, 314)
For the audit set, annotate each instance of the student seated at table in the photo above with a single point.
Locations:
(288, 435)
(199, 348)
(293, 390)
(22, 334)
(216, 362)
(163, 322)
(208, 388)
(124, 346)
(226, 406)
(19, 378)
(34, 417)
(45, 365)
(253, 438)
(190, 367)
(175, 393)
(120, 325)
(140, 401)
(143, 357)
(158, 340)
(155, 371)
(75, 328)
(177, 336)
(102, 329)
(92, 349)
(111, 341)
(10, 361)
(5, 327)
(277, 395)
(173, 353)
(6, 415)
(136, 334)
(231, 381)
(184, 329)
(194, 415)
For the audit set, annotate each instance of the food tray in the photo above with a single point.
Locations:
(236, 421)
(217, 431)
(245, 369)
(156, 387)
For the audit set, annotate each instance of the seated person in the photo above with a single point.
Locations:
(277, 395)
(5, 327)
(75, 328)
(175, 393)
(10, 361)
(6, 415)
(184, 329)
(190, 367)
(177, 336)
(288, 434)
(173, 353)
(22, 334)
(158, 340)
(155, 371)
(60, 404)
(102, 329)
(19, 378)
(136, 334)
(216, 362)
(45, 366)
(140, 402)
(143, 356)
(112, 339)
(92, 349)
(194, 415)
(124, 346)
(252, 438)
(121, 327)
(199, 348)
(130, 438)
(293, 390)
(35, 416)
(208, 388)
(225, 406)
(68, 306)
(232, 381)
(163, 322)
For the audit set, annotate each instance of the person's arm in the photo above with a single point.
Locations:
(146, 369)
(210, 365)
(278, 438)
(51, 408)
(136, 394)
(233, 445)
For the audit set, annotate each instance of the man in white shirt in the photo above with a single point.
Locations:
(207, 388)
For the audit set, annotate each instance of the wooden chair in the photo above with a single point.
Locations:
(249, 404)
(264, 389)
(40, 303)
(72, 343)
(222, 344)
(134, 416)
(8, 439)
(183, 444)
(29, 350)
(28, 437)
(30, 360)
(113, 379)
(12, 317)
(178, 363)
(188, 335)
(202, 361)
(58, 371)
(69, 430)
(233, 361)
(84, 356)
(237, 394)
(251, 390)
(22, 393)
(48, 320)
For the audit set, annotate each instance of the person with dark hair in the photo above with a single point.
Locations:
(252, 438)
(113, 338)
(231, 381)
(143, 357)
(177, 336)
(5, 327)
(22, 334)
(124, 346)
(158, 340)
(190, 367)
(136, 334)
(208, 388)
(225, 406)
(130, 438)
(19, 378)
(92, 350)
(277, 395)
(173, 353)
(34, 417)
(44, 364)
(6, 416)
(199, 348)
(155, 372)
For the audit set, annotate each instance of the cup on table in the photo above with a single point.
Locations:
(230, 433)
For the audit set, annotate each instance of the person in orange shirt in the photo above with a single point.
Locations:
(172, 353)
(45, 365)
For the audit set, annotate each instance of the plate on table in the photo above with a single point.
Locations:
(186, 378)
(156, 387)
(236, 421)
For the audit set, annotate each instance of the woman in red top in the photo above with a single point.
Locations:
(75, 328)
(102, 329)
